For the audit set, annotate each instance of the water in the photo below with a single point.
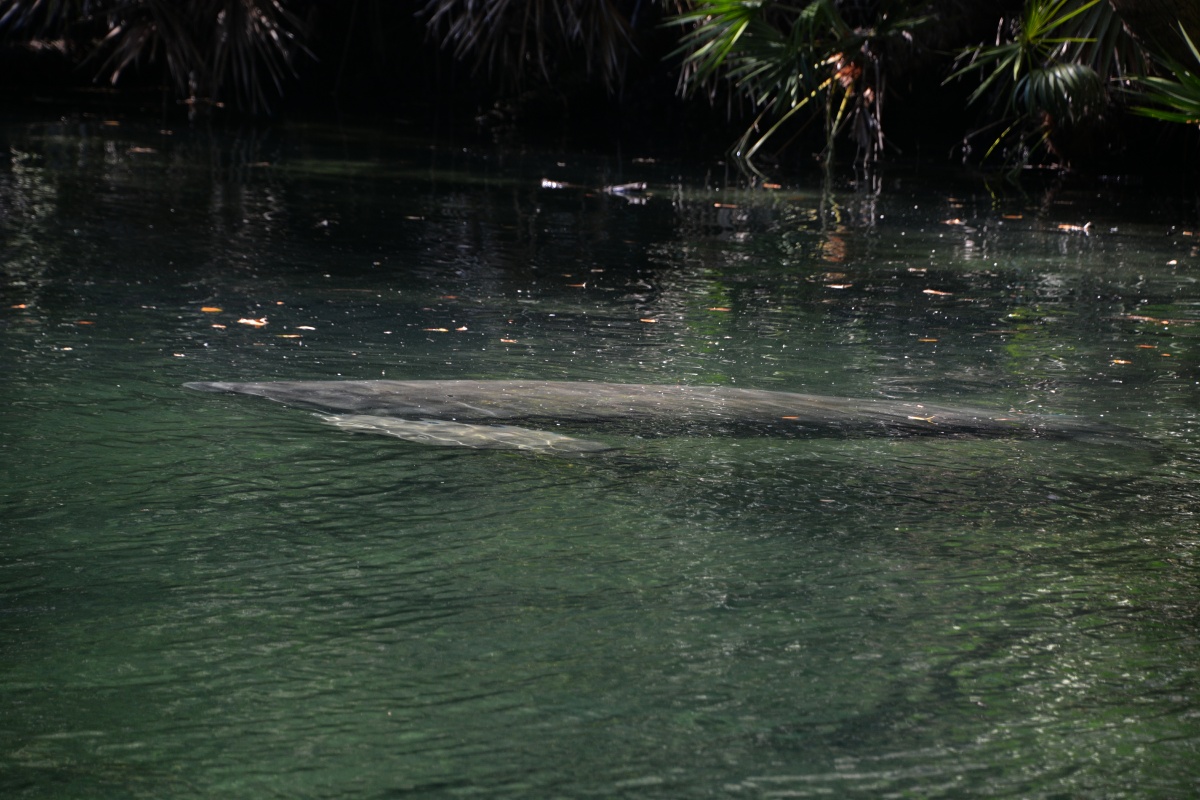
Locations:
(218, 596)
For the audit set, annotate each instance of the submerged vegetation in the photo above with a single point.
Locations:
(1021, 83)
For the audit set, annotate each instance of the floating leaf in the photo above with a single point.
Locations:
(257, 323)
(210, 309)
(509, 341)
(647, 320)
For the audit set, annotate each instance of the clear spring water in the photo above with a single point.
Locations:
(218, 596)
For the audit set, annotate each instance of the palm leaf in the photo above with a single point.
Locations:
(1176, 99)
(510, 38)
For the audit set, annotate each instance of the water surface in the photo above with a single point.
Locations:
(206, 595)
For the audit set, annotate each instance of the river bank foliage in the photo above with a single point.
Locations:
(1015, 84)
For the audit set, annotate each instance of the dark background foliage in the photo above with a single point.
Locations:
(597, 73)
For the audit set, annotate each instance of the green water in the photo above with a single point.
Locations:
(219, 596)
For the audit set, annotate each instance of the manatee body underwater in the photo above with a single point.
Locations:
(481, 414)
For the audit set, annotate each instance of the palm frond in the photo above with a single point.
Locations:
(779, 57)
(209, 49)
(509, 39)
(1176, 99)
(38, 18)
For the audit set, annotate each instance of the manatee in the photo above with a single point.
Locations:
(482, 413)
(459, 434)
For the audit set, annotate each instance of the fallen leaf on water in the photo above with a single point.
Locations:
(509, 341)
(647, 320)
(258, 323)
(789, 418)
(210, 309)
(927, 339)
